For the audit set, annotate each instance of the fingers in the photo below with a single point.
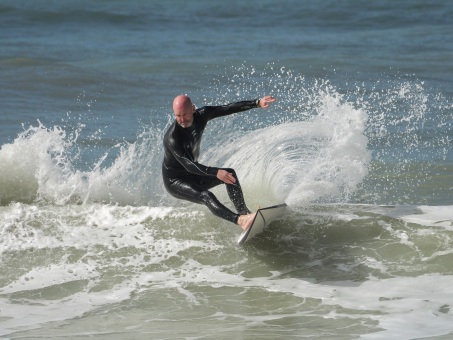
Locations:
(229, 178)
(226, 177)
(266, 100)
(269, 98)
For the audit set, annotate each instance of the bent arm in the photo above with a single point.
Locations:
(190, 165)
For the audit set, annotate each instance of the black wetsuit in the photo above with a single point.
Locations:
(187, 179)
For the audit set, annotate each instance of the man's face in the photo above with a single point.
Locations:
(184, 117)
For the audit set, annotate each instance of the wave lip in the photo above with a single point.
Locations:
(41, 165)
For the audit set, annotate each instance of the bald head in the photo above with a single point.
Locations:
(183, 109)
(182, 102)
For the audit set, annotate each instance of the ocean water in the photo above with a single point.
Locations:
(359, 145)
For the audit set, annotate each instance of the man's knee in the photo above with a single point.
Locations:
(184, 191)
(206, 197)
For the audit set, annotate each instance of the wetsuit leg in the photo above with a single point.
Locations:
(236, 195)
(190, 190)
(234, 190)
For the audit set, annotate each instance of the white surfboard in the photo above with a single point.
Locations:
(263, 217)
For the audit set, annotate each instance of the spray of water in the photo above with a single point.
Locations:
(317, 143)
(374, 142)
(39, 166)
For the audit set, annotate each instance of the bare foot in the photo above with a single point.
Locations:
(245, 221)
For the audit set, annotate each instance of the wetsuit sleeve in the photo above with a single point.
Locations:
(210, 112)
(187, 162)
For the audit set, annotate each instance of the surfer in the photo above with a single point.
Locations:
(184, 177)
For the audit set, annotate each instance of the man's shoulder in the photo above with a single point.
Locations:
(171, 133)
(199, 112)
(203, 114)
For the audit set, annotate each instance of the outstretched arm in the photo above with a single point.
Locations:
(210, 112)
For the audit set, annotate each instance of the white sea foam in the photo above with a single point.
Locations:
(403, 307)
(92, 239)
(436, 216)
(126, 241)
(82, 226)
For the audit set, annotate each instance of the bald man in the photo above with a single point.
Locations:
(184, 177)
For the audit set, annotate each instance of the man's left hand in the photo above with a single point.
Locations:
(266, 101)
(226, 177)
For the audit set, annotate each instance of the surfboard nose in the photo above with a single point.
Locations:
(263, 217)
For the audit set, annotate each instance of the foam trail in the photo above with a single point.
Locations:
(301, 162)
(342, 161)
